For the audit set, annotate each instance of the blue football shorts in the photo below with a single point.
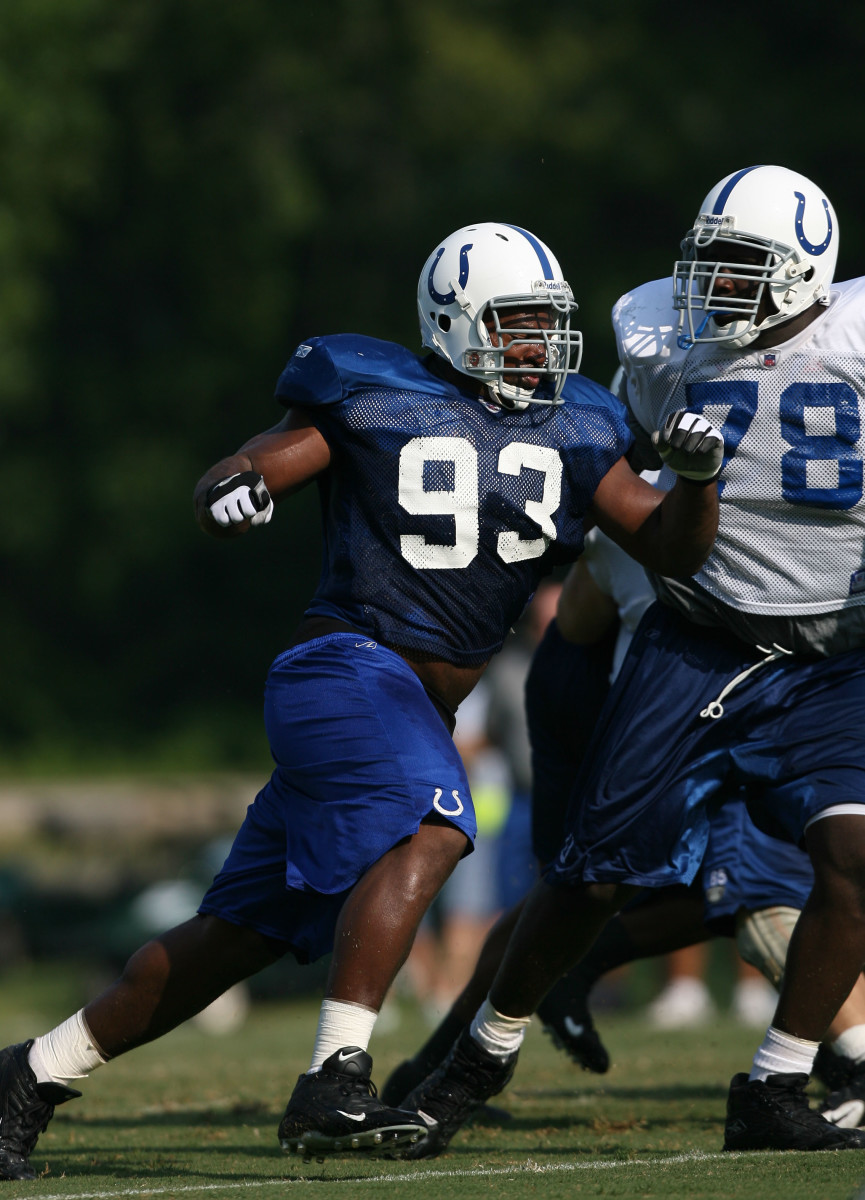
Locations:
(791, 734)
(362, 756)
(746, 869)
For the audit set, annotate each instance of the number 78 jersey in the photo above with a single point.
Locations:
(792, 525)
(440, 514)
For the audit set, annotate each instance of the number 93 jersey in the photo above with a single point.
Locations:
(792, 524)
(440, 512)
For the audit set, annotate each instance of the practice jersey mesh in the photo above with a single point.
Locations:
(440, 516)
(792, 530)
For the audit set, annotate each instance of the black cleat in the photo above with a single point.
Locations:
(335, 1111)
(845, 1105)
(572, 1030)
(410, 1073)
(402, 1079)
(831, 1069)
(26, 1107)
(455, 1091)
(775, 1115)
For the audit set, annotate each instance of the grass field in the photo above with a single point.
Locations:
(196, 1115)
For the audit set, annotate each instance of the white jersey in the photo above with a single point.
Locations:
(791, 539)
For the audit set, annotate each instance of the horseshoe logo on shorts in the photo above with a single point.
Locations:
(448, 812)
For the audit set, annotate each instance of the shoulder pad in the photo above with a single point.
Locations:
(326, 370)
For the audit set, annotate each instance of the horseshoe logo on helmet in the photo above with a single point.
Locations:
(449, 297)
(810, 247)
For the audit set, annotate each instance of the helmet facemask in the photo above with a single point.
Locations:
(558, 354)
(773, 268)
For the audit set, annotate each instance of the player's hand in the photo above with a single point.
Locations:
(239, 498)
(690, 446)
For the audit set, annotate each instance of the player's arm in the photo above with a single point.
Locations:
(670, 533)
(238, 492)
(584, 613)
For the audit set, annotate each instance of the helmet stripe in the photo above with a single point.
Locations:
(537, 247)
(724, 194)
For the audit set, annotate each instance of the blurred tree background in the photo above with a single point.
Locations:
(189, 189)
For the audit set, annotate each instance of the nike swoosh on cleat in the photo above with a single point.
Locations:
(426, 1117)
(343, 1057)
(351, 1116)
(573, 1028)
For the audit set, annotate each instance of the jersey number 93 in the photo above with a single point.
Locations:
(461, 501)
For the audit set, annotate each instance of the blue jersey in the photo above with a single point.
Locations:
(440, 516)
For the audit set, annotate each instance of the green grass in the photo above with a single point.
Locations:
(196, 1115)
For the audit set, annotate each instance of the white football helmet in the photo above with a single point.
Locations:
(775, 213)
(483, 271)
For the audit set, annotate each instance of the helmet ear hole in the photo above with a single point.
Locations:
(444, 322)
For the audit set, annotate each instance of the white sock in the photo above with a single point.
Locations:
(498, 1034)
(781, 1054)
(851, 1043)
(341, 1023)
(67, 1052)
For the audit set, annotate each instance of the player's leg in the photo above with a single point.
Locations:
(769, 1109)
(827, 948)
(391, 813)
(565, 690)
(334, 1107)
(804, 756)
(168, 980)
(661, 921)
(173, 977)
(654, 923)
(555, 926)
(380, 917)
(409, 1073)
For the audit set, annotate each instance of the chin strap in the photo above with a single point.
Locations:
(684, 341)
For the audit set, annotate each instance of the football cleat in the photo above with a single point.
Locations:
(412, 1071)
(569, 1024)
(833, 1070)
(455, 1091)
(26, 1107)
(845, 1104)
(403, 1079)
(336, 1111)
(774, 1114)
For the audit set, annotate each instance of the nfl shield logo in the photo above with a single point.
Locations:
(769, 360)
(857, 582)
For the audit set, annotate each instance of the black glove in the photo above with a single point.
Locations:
(239, 498)
(690, 446)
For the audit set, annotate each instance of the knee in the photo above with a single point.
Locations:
(597, 901)
(607, 898)
(836, 846)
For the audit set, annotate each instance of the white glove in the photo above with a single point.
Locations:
(239, 498)
(690, 446)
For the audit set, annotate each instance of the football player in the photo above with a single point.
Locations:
(750, 674)
(450, 484)
(751, 885)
